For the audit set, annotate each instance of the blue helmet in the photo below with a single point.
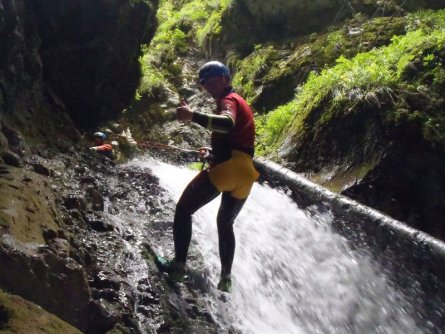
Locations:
(212, 69)
(100, 135)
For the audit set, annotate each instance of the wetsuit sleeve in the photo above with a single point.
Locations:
(218, 123)
(104, 148)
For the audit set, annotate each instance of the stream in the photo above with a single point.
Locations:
(292, 273)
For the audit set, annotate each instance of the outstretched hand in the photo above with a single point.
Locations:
(183, 112)
(204, 152)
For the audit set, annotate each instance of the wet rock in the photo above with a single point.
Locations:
(101, 316)
(112, 209)
(49, 234)
(119, 195)
(148, 299)
(60, 246)
(15, 140)
(116, 128)
(98, 223)
(40, 166)
(116, 37)
(164, 328)
(94, 199)
(49, 153)
(208, 317)
(120, 329)
(79, 169)
(4, 316)
(81, 255)
(108, 294)
(75, 216)
(59, 285)
(145, 310)
(3, 170)
(103, 280)
(75, 202)
(193, 311)
(41, 169)
(88, 180)
(11, 158)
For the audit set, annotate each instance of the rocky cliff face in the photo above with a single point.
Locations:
(27, 104)
(366, 155)
(63, 62)
(90, 51)
(64, 65)
(249, 22)
(273, 47)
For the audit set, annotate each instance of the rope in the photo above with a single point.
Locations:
(381, 7)
(203, 160)
(387, 23)
(164, 146)
(339, 12)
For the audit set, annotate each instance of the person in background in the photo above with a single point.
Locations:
(230, 172)
(100, 146)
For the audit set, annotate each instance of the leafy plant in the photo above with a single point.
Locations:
(182, 25)
(359, 78)
(250, 69)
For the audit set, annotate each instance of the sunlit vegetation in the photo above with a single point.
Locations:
(400, 66)
(182, 25)
(335, 70)
(270, 65)
(251, 70)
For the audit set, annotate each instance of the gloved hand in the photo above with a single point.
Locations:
(93, 148)
(204, 152)
(183, 112)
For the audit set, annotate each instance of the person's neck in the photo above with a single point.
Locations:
(227, 90)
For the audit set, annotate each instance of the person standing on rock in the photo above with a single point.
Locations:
(100, 146)
(230, 172)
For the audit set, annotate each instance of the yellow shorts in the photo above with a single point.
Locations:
(235, 175)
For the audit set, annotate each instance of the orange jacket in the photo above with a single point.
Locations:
(104, 148)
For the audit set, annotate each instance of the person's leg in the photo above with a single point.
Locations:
(228, 211)
(198, 193)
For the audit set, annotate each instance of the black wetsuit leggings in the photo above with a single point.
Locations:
(198, 193)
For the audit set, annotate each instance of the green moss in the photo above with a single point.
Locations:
(182, 25)
(195, 165)
(293, 61)
(251, 69)
(20, 316)
(25, 211)
(365, 77)
(344, 178)
(212, 27)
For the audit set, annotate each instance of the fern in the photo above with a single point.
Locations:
(358, 78)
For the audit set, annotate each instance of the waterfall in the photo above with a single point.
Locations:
(291, 272)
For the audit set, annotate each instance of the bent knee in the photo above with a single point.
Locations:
(183, 210)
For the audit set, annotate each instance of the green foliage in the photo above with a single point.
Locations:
(152, 78)
(363, 77)
(195, 165)
(427, 20)
(290, 64)
(182, 24)
(212, 27)
(251, 69)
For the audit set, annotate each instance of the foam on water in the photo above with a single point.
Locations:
(292, 273)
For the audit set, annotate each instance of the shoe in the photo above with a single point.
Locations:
(175, 270)
(225, 284)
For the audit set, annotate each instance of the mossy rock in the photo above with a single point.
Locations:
(18, 315)
(28, 205)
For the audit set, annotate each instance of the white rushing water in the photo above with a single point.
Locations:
(292, 274)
